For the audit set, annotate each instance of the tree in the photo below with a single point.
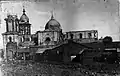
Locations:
(107, 39)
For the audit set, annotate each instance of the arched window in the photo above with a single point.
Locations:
(20, 39)
(89, 35)
(27, 39)
(47, 40)
(80, 35)
(35, 39)
(10, 39)
(71, 36)
(10, 25)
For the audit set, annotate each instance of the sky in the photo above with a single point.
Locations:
(73, 15)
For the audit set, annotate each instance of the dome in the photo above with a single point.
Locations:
(53, 25)
(24, 17)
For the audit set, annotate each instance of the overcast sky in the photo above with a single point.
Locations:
(73, 15)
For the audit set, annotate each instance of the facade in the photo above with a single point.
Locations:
(17, 34)
(86, 36)
(52, 35)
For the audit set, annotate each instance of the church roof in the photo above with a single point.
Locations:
(71, 47)
(23, 50)
(53, 25)
(24, 18)
(10, 33)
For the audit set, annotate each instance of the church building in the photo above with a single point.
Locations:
(19, 43)
(18, 32)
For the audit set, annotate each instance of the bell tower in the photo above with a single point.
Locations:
(11, 34)
(12, 23)
(24, 27)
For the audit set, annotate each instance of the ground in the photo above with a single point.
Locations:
(28, 68)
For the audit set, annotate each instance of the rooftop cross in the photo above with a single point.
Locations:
(52, 16)
(23, 9)
(52, 13)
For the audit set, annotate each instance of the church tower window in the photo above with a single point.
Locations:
(20, 39)
(10, 39)
(10, 25)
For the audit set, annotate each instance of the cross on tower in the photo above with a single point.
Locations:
(52, 13)
(23, 9)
